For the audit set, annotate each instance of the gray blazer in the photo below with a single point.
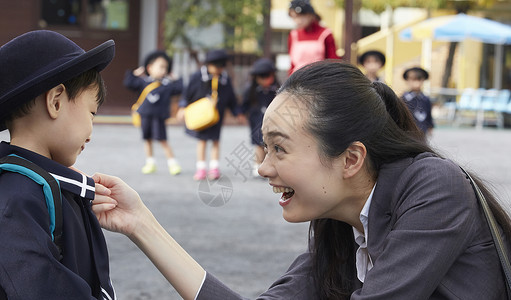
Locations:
(427, 237)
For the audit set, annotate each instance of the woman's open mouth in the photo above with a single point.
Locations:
(287, 194)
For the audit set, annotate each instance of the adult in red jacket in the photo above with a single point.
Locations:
(309, 42)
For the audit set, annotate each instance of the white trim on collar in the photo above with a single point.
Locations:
(82, 185)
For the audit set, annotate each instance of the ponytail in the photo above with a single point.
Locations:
(399, 136)
(397, 109)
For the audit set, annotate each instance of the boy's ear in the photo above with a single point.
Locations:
(354, 158)
(54, 99)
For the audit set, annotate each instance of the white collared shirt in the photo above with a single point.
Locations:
(363, 259)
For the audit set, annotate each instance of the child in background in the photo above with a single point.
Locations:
(155, 108)
(199, 87)
(256, 98)
(372, 61)
(418, 103)
(309, 42)
(51, 89)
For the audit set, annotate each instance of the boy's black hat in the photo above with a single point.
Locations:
(378, 54)
(262, 66)
(154, 55)
(217, 55)
(301, 7)
(37, 61)
(420, 71)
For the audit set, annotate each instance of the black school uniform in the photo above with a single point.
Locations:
(420, 107)
(156, 106)
(255, 109)
(29, 260)
(200, 87)
(157, 103)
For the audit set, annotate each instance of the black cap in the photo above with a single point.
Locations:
(376, 53)
(37, 61)
(262, 66)
(217, 55)
(420, 72)
(301, 7)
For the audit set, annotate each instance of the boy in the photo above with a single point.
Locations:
(200, 85)
(372, 61)
(51, 90)
(418, 103)
(152, 79)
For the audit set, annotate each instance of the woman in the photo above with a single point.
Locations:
(310, 41)
(390, 219)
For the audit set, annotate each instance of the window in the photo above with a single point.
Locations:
(98, 14)
(61, 12)
(108, 14)
(279, 41)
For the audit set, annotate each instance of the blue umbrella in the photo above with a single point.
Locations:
(456, 28)
(459, 27)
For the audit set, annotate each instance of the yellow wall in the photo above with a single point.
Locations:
(404, 54)
(470, 53)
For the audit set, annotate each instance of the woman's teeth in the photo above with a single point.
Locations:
(278, 190)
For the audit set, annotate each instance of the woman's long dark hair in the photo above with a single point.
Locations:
(344, 107)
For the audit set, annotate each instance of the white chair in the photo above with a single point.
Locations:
(487, 104)
(501, 105)
(468, 104)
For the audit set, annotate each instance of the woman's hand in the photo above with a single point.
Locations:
(117, 206)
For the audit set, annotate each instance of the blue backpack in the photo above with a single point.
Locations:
(51, 189)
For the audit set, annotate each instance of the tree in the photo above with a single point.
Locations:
(240, 19)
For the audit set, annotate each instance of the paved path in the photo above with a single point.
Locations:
(244, 242)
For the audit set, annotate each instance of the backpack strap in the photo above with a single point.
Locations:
(51, 189)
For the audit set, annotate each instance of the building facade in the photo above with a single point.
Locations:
(134, 25)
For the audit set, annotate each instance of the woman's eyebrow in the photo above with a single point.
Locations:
(273, 134)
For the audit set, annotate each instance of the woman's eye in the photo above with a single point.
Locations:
(278, 149)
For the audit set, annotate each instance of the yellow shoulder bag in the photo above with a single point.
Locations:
(135, 116)
(202, 113)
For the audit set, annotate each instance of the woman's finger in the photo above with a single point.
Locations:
(104, 207)
(102, 190)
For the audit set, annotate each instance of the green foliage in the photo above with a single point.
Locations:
(379, 6)
(241, 19)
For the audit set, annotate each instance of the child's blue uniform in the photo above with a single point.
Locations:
(420, 107)
(156, 106)
(199, 87)
(255, 107)
(29, 260)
